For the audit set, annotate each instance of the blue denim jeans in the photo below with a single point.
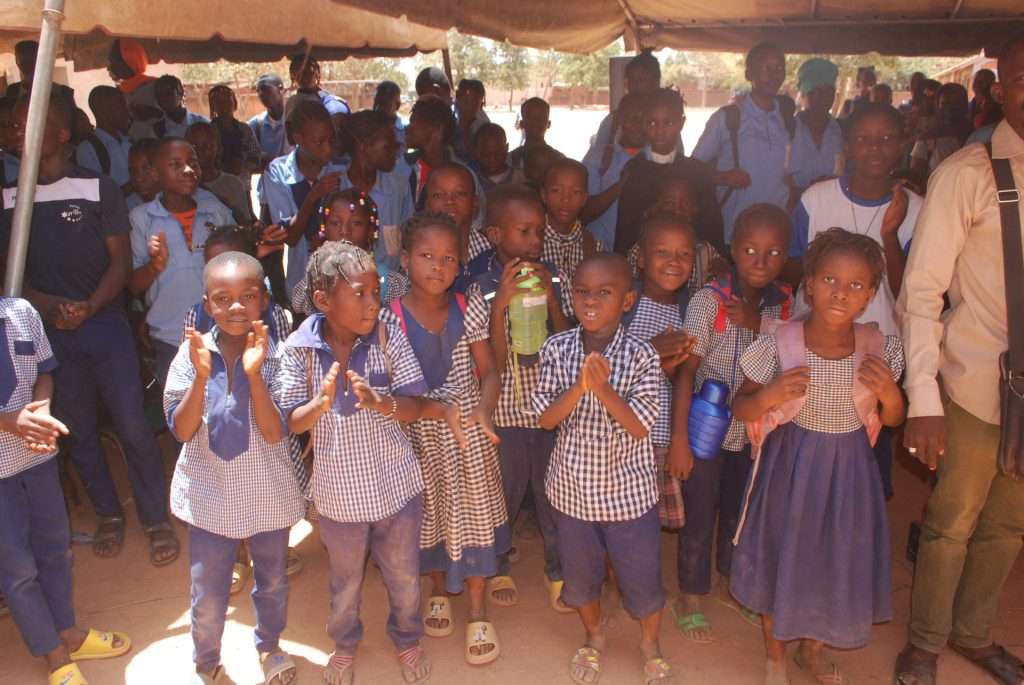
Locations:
(524, 455)
(394, 545)
(99, 361)
(212, 558)
(35, 556)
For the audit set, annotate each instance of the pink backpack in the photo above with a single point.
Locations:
(789, 338)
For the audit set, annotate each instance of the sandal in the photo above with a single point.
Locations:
(340, 670)
(208, 678)
(585, 660)
(240, 574)
(915, 666)
(439, 609)
(109, 537)
(555, 596)
(480, 634)
(657, 670)
(751, 617)
(278, 668)
(831, 676)
(162, 539)
(294, 563)
(68, 675)
(1002, 666)
(690, 624)
(416, 666)
(100, 645)
(498, 583)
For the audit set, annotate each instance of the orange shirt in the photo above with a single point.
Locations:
(185, 219)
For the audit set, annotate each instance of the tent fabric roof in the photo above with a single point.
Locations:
(207, 30)
(906, 27)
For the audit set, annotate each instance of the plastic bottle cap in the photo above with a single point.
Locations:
(715, 392)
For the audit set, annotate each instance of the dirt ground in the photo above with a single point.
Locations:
(152, 605)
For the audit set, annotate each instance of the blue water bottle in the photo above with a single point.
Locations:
(709, 419)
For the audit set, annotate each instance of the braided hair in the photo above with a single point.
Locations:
(333, 262)
(356, 199)
(840, 241)
(420, 222)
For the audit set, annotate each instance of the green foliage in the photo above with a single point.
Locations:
(471, 58)
(512, 69)
(590, 71)
(244, 74)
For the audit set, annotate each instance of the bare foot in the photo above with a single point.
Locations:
(810, 659)
(775, 673)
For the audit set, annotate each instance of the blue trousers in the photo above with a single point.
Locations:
(99, 361)
(212, 558)
(35, 556)
(394, 545)
(883, 454)
(524, 455)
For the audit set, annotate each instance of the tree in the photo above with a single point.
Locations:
(513, 68)
(590, 71)
(355, 69)
(471, 57)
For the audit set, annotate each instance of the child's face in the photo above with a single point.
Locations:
(178, 167)
(316, 139)
(821, 98)
(840, 289)
(432, 261)
(235, 297)
(205, 143)
(306, 75)
(343, 222)
(663, 127)
(875, 147)
(677, 197)
(55, 136)
(270, 95)
(632, 126)
(600, 296)
(452, 193)
(144, 177)
(759, 252)
(469, 102)
(351, 306)
(667, 257)
(520, 234)
(491, 152)
(767, 72)
(222, 103)
(564, 194)
(381, 151)
(534, 122)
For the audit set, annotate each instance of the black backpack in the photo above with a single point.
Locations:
(101, 152)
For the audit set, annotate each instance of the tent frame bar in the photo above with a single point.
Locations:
(797, 23)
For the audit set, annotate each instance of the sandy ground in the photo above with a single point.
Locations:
(152, 605)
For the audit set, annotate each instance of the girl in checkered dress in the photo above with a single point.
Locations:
(812, 554)
(465, 525)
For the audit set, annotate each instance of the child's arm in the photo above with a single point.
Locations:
(598, 204)
(310, 205)
(33, 422)
(268, 418)
(305, 416)
(754, 400)
(894, 216)
(142, 277)
(188, 415)
(398, 407)
(875, 374)
(563, 405)
(490, 388)
(680, 458)
(596, 372)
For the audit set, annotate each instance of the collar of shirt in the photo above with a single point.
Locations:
(751, 108)
(572, 236)
(610, 349)
(109, 138)
(653, 156)
(844, 185)
(774, 293)
(292, 175)
(270, 122)
(1005, 142)
(205, 202)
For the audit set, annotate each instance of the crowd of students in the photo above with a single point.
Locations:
(390, 387)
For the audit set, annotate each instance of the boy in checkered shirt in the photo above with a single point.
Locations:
(564, 193)
(599, 387)
(234, 480)
(515, 225)
(35, 566)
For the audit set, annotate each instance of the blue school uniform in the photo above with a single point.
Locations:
(393, 197)
(603, 227)
(117, 153)
(167, 127)
(808, 162)
(284, 189)
(9, 169)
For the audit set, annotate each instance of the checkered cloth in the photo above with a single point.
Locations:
(253, 493)
(28, 352)
(829, 407)
(598, 471)
(705, 254)
(565, 251)
(651, 319)
(671, 512)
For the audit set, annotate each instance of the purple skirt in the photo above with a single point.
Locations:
(813, 549)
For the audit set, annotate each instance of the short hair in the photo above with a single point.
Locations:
(307, 112)
(472, 85)
(612, 261)
(489, 129)
(421, 221)
(169, 141)
(365, 124)
(238, 238)
(661, 220)
(566, 163)
(355, 199)
(669, 98)
(336, 261)
(762, 213)
(203, 126)
(102, 96)
(634, 100)
(458, 168)
(674, 179)
(840, 241)
(233, 258)
(436, 113)
(534, 102)
(385, 89)
(499, 200)
(145, 146)
(645, 61)
(431, 77)
(761, 50)
(874, 109)
(169, 81)
(26, 48)
(302, 60)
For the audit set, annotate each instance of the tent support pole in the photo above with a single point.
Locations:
(35, 125)
(446, 59)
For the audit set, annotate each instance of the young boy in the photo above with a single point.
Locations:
(239, 150)
(490, 158)
(166, 234)
(643, 77)
(145, 181)
(724, 318)
(470, 96)
(234, 479)
(169, 95)
(515, 225)
(534, 122)
(268, 126)
(229, 188)
(564, 193)
(599, 387)
(106, 150)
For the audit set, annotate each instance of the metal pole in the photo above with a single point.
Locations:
(35, 124)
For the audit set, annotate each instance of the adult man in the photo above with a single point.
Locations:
(25, 53)
(972, 532)
(268, 126)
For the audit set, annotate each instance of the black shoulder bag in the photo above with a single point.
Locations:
(1011, 362)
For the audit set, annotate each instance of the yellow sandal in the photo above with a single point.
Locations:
(100, 645)
(68, 675)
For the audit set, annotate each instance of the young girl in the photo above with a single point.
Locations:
(465, 525)
(812, 553)
(349, 215)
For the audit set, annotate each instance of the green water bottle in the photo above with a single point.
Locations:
(528, 316)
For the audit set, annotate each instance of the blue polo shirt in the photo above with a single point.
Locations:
(9, 166)
(71, 219)
(270, 134)
(603, 227)
(284, 189)
(393, 197)
(167, 127)
(762, 141)
(808, 162)
(117, 152)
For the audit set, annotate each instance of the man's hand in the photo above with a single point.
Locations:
(72, 314)
(925, 438)
(734, 178)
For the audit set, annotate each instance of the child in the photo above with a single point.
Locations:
(534, 122)
(724, 318)
(294, 185)
(464, 519)
(105, 150)
(470, 97)
(9, 161)
(429, 136)
(268, 126)
(366, 482)
(490, 158)
(239, 149)
(166, 236)
(145, 181)
(515, 225)
(536, 164)
(234, 479)
(826, 385)
(229, 188)
(388, 100)
(176, 120)
(564, 193)
(35, 567)
(599, 387)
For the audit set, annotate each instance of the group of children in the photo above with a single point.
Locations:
(427, 422)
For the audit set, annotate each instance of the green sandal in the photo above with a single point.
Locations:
(688, 624)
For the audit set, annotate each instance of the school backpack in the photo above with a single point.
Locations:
(792, 350)
(787, 110)
(723, 287)
(101, 152)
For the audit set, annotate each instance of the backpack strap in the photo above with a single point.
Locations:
(868, 340)
(723, 288)
(792, 352)
(102, 154)
(1008, 198)
(732, 125)
(460, 300)
(396, 309)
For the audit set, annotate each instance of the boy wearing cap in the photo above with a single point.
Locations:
(817, 147)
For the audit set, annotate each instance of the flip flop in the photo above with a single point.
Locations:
(100, 645)
(915, 667)
(589, 659)
(689, 623)
(480, 634)
(277, 665)
(439, 608)
(751, 617)
(409, 665)
(240, 574)
(339, 673)
(1004, 667)
(208, 678)
(555, 594)
(833, 676)
(68, 675)
(657, 670)
(502, 583)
